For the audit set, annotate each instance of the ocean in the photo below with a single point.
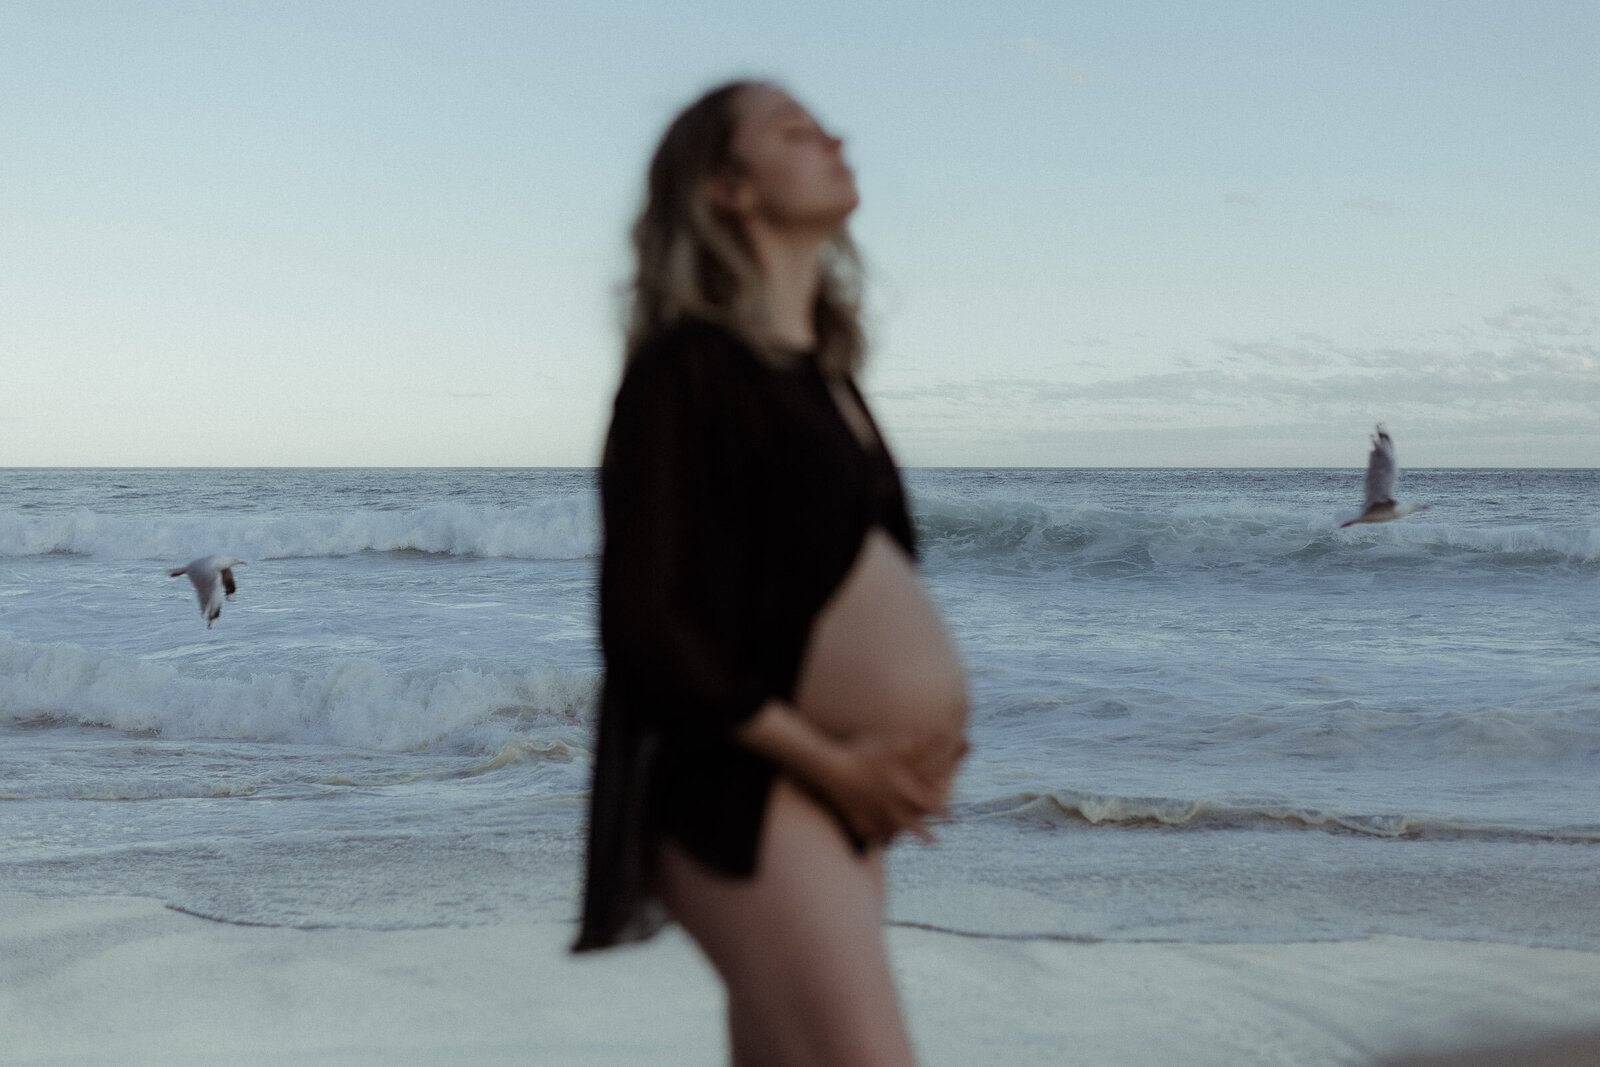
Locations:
(1201, 712)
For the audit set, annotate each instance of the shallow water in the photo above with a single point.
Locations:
(1201, 710)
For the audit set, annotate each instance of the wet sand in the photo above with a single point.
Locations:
(125, 981)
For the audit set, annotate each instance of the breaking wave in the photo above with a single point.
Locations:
(1068, 807)
(357, 703)
(560, 528)
(1109, 542)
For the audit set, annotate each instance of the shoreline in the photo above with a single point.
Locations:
(129, 981)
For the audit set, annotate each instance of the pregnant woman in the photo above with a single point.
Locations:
(781, 697)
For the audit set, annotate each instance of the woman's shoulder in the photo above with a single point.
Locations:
(691, 355)
(691, 381)
(690, 344)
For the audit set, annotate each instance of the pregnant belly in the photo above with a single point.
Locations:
(879, 659)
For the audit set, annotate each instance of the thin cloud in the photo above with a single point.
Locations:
(1566, 316)
(1043, 56)
(1537, 393)
(1531, 373)
(1371, 205)
(1279, 354)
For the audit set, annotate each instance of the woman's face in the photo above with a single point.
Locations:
(793, 172)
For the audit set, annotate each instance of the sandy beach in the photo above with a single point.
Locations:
(126, 981)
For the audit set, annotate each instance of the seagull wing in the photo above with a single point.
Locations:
(213, 578)
(1380, 471)
(207, 588)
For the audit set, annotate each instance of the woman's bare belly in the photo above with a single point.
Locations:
(879, 660)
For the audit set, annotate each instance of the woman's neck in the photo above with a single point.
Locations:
(792, 271)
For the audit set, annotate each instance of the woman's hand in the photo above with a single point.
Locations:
(881, 789)
(878, 788)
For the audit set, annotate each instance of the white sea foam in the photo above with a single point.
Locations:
(1065, 806)
(1030, 536)
(358, 702)
(1019, 534)
(559, 528)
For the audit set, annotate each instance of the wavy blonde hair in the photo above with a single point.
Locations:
(694, 261)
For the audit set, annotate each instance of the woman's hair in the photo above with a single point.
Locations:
(696, 261)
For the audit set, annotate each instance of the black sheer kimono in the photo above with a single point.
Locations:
(735, 499)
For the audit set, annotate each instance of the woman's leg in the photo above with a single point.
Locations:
(799, 945)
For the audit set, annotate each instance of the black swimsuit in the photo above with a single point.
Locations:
(735, 500)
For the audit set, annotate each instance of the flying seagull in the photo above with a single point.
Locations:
(213, 578)
(1380, 505)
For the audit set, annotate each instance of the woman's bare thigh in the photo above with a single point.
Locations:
(799, 945)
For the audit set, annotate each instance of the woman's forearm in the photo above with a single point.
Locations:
(784, 736)
(879, 790)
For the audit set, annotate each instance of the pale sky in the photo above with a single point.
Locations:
(1107, 234)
